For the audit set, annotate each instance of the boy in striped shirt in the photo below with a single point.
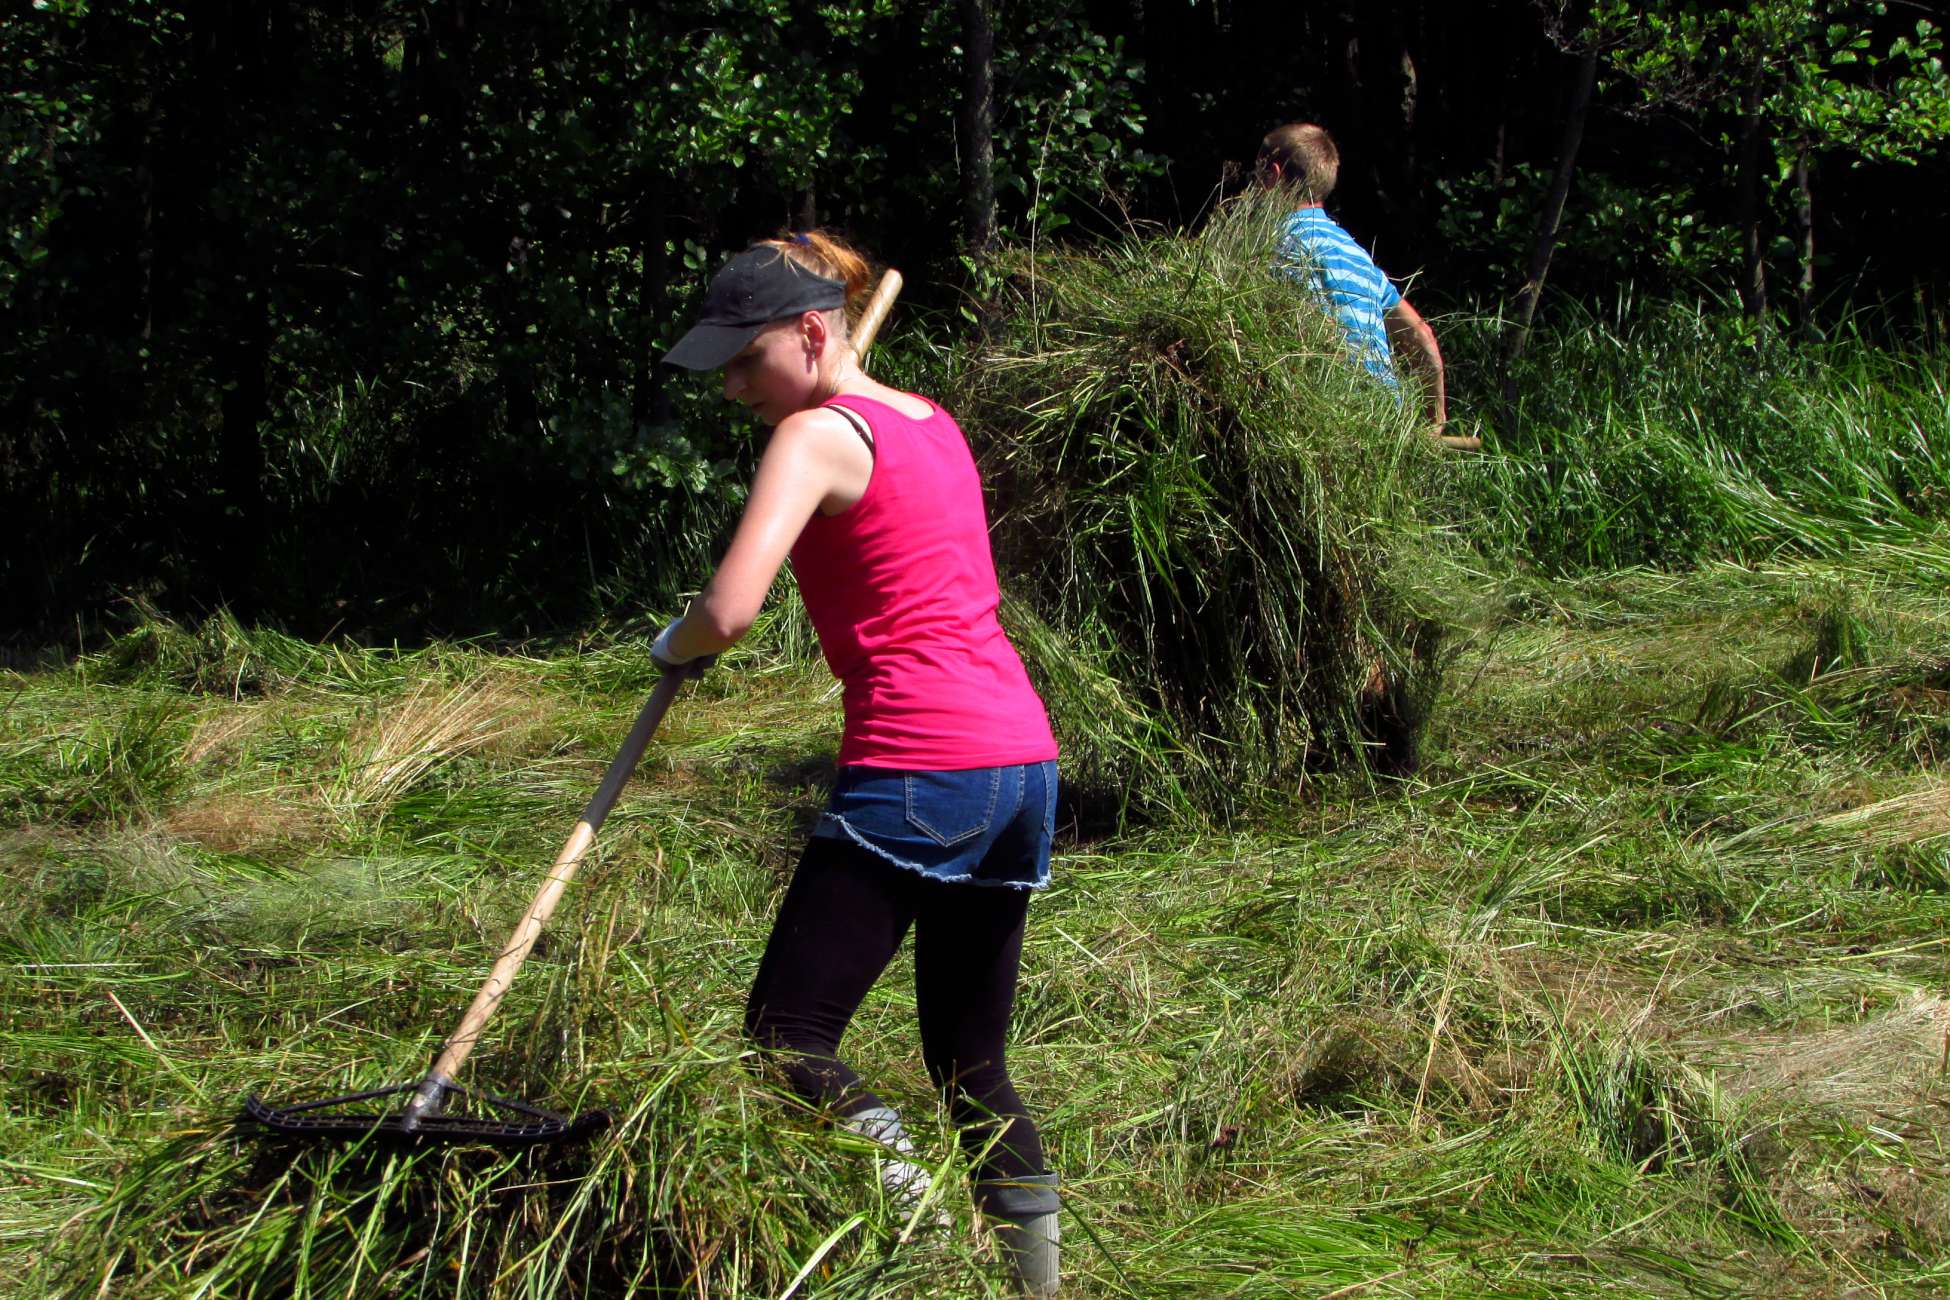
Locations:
(1300, 159)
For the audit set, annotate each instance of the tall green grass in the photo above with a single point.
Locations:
(1642, 985)
(1667, 433)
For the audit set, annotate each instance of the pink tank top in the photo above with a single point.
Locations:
(901, 589)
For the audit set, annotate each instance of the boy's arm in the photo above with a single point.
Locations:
(1414, 342)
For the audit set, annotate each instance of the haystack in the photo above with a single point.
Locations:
(1210, 520)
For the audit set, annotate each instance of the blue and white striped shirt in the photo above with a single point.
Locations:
(1316, 252)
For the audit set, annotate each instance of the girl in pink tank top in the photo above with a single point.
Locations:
(941, 815)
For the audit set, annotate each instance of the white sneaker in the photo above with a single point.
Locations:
(902, 1180)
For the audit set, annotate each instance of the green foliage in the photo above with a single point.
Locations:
(1196, 488)
(1613, 229)
(1069, 120)
(1831, 75)
(375, 348)
(1784, 80)
(1068, 128)
(348, 318)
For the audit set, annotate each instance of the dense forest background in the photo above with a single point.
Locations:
(345, 316)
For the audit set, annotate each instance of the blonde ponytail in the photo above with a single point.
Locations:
(829, 255)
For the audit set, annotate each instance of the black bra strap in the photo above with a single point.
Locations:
(857, 420)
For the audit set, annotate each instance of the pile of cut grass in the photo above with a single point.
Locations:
(300, 903)
(1211, 518)
(1668, 433)
(1640, 987)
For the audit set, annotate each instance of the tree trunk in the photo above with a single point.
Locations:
(1516, 332)
(1407, 187)
(250, 60)
(1753, 270)
(978, 126)
(807, 37)
(242, 525)
(514, 312)
(649, 403)
(1804, 230)
(1514, 34)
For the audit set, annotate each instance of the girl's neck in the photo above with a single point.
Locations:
(855, 382)
(848, 377)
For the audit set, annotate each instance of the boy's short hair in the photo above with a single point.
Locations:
(1306, 156)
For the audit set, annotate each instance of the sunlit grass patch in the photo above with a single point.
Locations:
(220, 732)
(104, 764)
(239, 821)
(1638, 987)
(407, 738)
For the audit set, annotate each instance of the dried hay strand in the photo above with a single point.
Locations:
(429, 727)
(218, 733)
(1879, 1064)
(239, 822)
(1917, 815)
(1917, 819)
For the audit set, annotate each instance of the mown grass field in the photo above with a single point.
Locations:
(1641, 986)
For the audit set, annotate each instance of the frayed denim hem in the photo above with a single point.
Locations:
(827, 819)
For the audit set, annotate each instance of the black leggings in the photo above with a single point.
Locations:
(843, 919)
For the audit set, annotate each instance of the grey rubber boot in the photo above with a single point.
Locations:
(901, 1178)
(1024, 1211)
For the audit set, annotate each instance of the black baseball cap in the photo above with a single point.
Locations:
(755, 288)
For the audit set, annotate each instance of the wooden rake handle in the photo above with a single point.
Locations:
(529, 928)
(875, 311)
(426, 1099)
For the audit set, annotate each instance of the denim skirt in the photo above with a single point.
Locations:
(979, 826)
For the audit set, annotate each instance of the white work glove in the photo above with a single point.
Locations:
(661, 654)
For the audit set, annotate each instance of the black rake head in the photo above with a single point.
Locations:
(507, 1123)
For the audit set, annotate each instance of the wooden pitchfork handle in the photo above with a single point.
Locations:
(433, 1088)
